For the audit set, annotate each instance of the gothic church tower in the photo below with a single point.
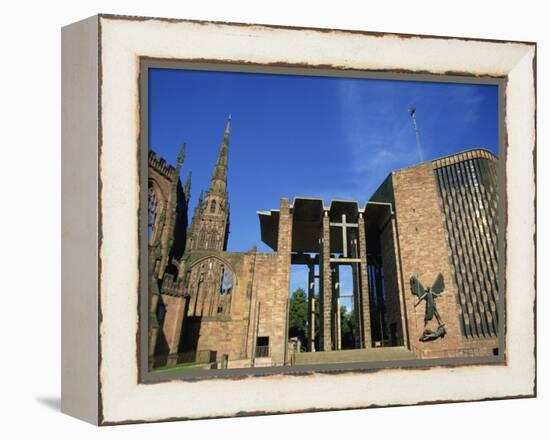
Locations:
(210, 224)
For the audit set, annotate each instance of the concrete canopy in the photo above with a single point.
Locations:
(269, 227)
(376, 214)
(307, 216)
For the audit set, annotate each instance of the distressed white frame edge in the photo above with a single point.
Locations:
(123, 41)
(79, 220)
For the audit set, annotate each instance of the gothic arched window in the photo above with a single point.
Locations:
(226, 284)
(212, 207)
(152, 210)
(202, 240)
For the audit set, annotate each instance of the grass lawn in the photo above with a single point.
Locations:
(182, 367)
(356, 355)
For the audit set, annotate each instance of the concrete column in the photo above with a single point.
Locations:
(337, 324)
(313, 324)
(401, 289)
(251, 298)
(338, 342)
(285, 229)
(280, 305)
(363, 276)
(327, 286)
(357, 303)
(311, 308)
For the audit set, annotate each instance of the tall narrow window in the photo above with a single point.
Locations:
(151, 214)
(212, 207)
(161, 312)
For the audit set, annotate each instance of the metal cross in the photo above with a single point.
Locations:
(344, 225)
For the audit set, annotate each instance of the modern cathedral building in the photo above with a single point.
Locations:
(422, 252)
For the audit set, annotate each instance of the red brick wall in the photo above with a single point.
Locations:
(425, 252)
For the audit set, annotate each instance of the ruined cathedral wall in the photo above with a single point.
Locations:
(222, 336)
(173, 234)
(271, 288)
(162, 186)
(227, 333)
(163, 182)
(171, 329)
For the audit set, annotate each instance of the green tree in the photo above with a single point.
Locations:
(297, 316)
(347, 320)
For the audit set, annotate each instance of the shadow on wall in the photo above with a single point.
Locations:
(191, 333)
(51, 403)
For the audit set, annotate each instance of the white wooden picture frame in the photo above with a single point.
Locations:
(101, 381)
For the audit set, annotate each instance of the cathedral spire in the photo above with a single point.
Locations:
(228, 126)
(210, 226)
(187, 189)
(201, 195)
(218, 183)
(181, 156)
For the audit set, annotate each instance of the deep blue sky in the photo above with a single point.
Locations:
(308, 136)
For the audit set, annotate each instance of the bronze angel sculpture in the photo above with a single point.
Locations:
(429, 295)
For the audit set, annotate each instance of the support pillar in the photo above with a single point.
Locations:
(364, 281)
(311, 309)
(401, 289)
(284, 249)
(357, 303)
(337, 321)
(326, 291)
(338, 342)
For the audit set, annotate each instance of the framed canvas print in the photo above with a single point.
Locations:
(261, 219)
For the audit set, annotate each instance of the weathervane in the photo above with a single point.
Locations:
(412, 112)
